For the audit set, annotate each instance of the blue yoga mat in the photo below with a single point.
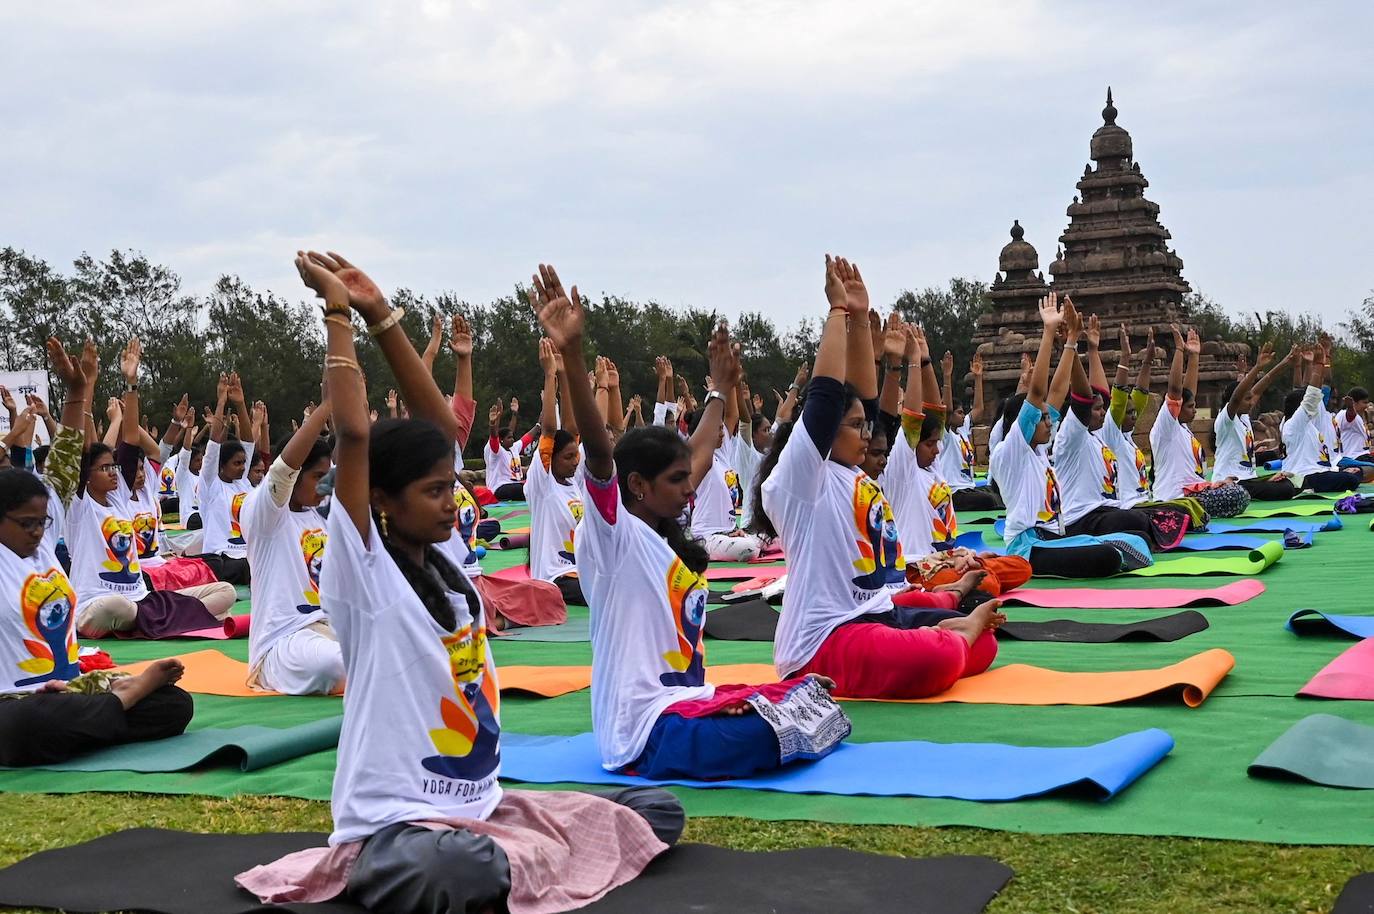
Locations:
(974, 540)
(1273, 525)
(963, 771)
(1208, 542)
(1316, 622)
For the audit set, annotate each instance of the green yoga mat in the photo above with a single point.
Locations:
(1295, 508)
(1322, 749)
(1239, 563)
(252, 747)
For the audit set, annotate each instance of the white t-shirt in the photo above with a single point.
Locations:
(955, 460)
(167, 476)
(746, 460)
(1177, 455)
(1132, 481)
(922, 502)
(1304, 437)
(844, 557)
(719, 497)
(286, 551)
(1235, 437)
(647, 612)
(57, 510)
(555, 510)
(994, 438)
(463, 543)
(1086, 467)
(1355, 438)
(187, 486)
(1029, 486)
(147, 516)
(37, 621)
(104, 550)
(503, 465)
(221, 504)
(421, 729)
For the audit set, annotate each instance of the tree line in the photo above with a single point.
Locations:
(276, 343)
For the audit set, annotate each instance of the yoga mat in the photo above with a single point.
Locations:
(901, 769)
(973, 539)
(1357, 897)
(1294, 508)
(552, 681)
(750, 573)
(1273, 525)
(513, 540)
(1351, 675)
(1248, 563)
(753, 620)
(233, 627)
(209, 672)
(1019, 684)
(1211, 542)
(513, 573)
(1140, 598)
(172, 872)
(1316, 622)
(1165, 628)
(1323, 749)
(249, 747)
(575, 629)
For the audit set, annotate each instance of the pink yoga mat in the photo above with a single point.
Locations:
(745, 574)
(1136, 598)
(771, 554)
(233, 627)
(514, 573)
(1351, 675)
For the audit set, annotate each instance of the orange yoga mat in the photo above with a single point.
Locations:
(209, 672)
(552, 681)
(1020, 684)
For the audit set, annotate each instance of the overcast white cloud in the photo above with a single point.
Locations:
(696, 153)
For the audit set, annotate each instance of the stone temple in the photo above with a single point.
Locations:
(1114, 260)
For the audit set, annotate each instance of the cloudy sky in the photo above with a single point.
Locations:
(696, 153)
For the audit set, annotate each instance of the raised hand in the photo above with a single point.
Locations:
(129, 359)
(1178, 335)
(661, 368)
(894, 337)
(1123, 340)
(1073, 321)
(494, 414)
(36, 404)
(854, 289)
(235, 387)
(1194, 342)
(436, 339)
(460, 337)
(1309, 354)
(1094, 331)
(322, 279)
(834, 286)
(757, 400)
(392, 400)
(259, 413)
(67, 369)
(710, 384)
(6, 398)
(114, 409)
(363, 294)
(922, 344)
(1050, 315)
(222, 387)
(181, 409)
(1150, 344)
(602, 377)
(612, 374)
(723, 356)
(559, 312)
(977, 366)
(547, 356)
(803, 372)
(1242, 365)
(1265, 356)
(90, 361)
(947, 364)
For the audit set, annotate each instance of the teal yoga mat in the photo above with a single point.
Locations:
(573, 630)
(252, 747)
(1323, 749)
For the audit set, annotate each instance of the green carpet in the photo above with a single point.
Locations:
(1201, 790)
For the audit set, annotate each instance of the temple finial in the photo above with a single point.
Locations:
(1109, 112)
(1016, 231)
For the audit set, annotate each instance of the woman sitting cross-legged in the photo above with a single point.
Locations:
(845, 562)
(421, 822)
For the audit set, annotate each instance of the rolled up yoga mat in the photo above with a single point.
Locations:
(173, 872)
(1316, 622)
(1231, 594)
(885, 769)
(1351, 675)
(1165, 628)
(513, 541)
(1357, 897)
(1242, 563)
(233, 627)
(249, 747)
(1322, 749)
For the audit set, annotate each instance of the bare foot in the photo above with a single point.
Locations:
(825, 682)
(132, 689)
(965, 585)
(985, 618)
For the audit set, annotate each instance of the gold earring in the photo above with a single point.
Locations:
(381, 520)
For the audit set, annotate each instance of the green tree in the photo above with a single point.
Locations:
(950, 317)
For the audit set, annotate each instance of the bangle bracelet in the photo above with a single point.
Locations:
(336, 309)
(835, 314)
(339, 318)
(925, 361)
(342, 361)
(386, 324)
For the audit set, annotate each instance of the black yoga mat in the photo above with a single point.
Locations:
(1165, 628)
(153, 869)
(753, 620)
(1357, 897)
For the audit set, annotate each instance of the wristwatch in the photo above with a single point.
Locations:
(713, 395)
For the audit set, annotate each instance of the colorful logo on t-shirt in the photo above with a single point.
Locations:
(145, 532)
(1368, 438)
(567, 552)
(1109, 472)
(312, 553)
(1247, 457)
(687, 599)
(167, 482)
(944, 526)
(1336, 433)
(966, 456)
(121, 561)
(468, 740)
(465, 521)
(1323, 452)
(517, 470)
(736, 492)
(880, 563)
(1199, 466)
(235, 507)
(47, 604)
(1142, 486)
(1049, 511)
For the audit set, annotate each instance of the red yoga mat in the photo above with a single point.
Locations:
(1135, 598)
(1351, 675)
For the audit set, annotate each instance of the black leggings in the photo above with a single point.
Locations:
(571, 589)
(977, 499)
(52, 727)
(1105, 519)
(1100, 561)
(233, 570)
(1333, 481)
(511, 491)
(1269, 489)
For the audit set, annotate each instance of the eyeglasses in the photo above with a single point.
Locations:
(862, 427)
(31, 524)
(107, 468)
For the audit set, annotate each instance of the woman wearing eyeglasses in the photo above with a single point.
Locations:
(49, 712)
(845, 561)
(113, 596)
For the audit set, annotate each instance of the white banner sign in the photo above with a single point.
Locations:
(19, 383)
